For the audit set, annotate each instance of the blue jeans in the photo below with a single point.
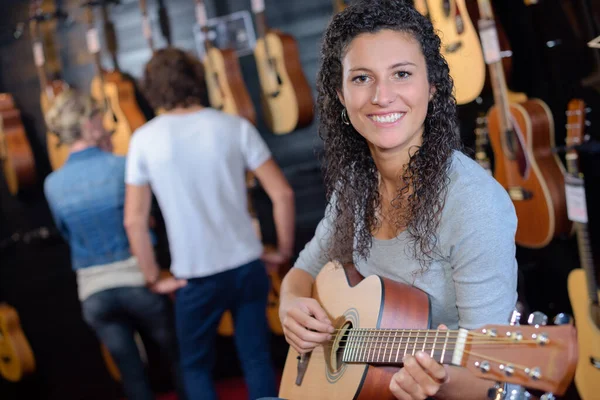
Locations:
(198, 310)
(115, 314)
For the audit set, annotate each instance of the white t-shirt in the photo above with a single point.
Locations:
(196, 165)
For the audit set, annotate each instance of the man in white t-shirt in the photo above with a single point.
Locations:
(194, 159)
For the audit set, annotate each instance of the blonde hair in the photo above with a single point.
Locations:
(67, 113)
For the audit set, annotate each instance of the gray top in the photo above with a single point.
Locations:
(473, 279)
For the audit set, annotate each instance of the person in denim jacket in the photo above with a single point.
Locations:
(86, 197)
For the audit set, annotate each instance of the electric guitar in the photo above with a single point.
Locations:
(285, 93)
(111, 89)
(57, 152)
(378, 321)
(226, 88)
(16, 356)
(583, 291)
(522, 138)
(18, 164)
(460, 45)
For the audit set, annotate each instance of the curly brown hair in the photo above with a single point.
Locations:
(350, 172)
(173, 78)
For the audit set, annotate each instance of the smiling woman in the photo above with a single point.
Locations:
(404, 202)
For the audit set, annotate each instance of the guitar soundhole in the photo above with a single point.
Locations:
(339, 345)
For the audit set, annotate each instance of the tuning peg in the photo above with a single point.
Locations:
(588, 110)
(563, 319)
(515, 318)
(497, 392)
(548, 396)
(588, 123)
(537, 319)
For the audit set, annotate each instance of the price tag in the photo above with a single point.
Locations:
(146, 27)
(38, 54)
(201, 17)
(489, 41)
(258, 6)
(93, 42)
(576, 204)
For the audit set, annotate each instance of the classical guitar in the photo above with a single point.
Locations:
(522, 138)
(18, 164)
(226, 88)
(16, 356)
(57, 152)
(378, 321)
(460, 45)
(285, 93)
(583, 291)
(111, 89)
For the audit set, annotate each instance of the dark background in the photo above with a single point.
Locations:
(549, 60)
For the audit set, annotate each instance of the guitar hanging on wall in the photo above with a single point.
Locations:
(18, 164)
(583, 291)
(286, 96)
(378, 321)
(522, 138)
(460, 45)
(226, 87)
(111, 89)
(57, 152)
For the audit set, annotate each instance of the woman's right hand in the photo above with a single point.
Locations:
(305, 324)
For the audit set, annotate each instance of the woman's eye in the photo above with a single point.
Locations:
(402, 74)
(360, 79)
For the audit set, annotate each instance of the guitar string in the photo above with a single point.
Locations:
(440, 342)
(415, 333)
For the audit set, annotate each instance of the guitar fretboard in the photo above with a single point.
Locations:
(389, 346)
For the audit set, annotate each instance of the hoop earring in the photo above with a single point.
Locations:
(345, 118)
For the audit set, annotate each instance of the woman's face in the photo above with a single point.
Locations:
(385, 89)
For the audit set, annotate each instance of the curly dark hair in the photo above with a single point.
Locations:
(174, 78)
(350, 172)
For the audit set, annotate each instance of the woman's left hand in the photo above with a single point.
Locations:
(420, 377)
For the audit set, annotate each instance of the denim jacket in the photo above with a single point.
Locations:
(86, 197)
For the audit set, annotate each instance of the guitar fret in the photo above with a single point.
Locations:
(393, 346)
(434, 341)
(407, 343)
(415, 345)
(444, 349)
(355, 346)
(399, 345)
(425, 341)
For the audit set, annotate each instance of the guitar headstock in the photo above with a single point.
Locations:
(537, 357)
(576, 123)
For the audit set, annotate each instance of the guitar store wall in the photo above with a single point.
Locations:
(36, 277)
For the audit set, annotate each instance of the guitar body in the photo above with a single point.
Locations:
(587, 376)
(123, 116)
(230, 94)
(461, 48)
(372, 302)
(16, 156)
(16, 356)
(286, 96)
(542, 216)
(57, 152)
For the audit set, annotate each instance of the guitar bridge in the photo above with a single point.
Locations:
(302, 365)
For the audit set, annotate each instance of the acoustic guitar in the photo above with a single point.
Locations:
(18, 164)
(16, 356)
(57, 152)
(583, 291)
(460, 45)
(115, 92)
(286, 96)
(340, 5)
(522, 138)
(379, 321)
(226, 88)
(482, 144)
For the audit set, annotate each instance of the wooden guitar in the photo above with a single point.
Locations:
(340, 5)
(286, 96)
(111, 89)
(378, 321)
(460, 45)
(18, 164)
(226, 88)
(16, 356)
(57, 152)
(482, 143)
(522, 138)
(583, 291)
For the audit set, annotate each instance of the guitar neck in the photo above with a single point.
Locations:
(38, 56)
(389, 346)
(202, 20)
(587, 260)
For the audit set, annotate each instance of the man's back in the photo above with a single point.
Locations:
(195, 163)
